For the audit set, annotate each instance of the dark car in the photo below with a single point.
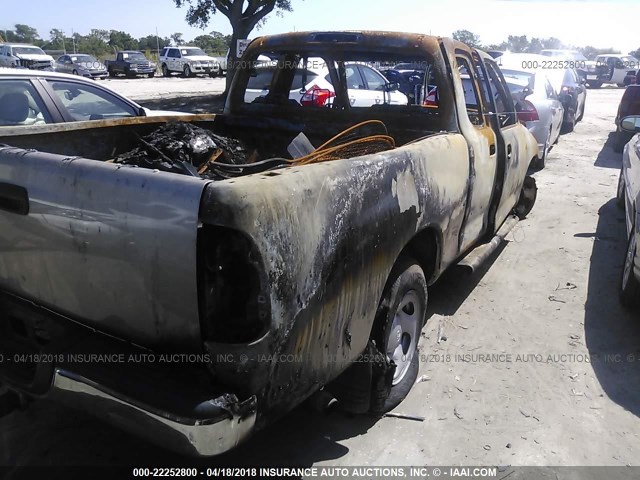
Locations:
(131, 63)
(83, 65)
(572, 92)
(629, 105)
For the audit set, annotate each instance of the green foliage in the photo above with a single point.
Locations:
(151, 42)
(635, 53)
(122, 41)
(177, 39)
(465, 36)
(214, 44)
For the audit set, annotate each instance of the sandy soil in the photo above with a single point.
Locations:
(544, 303)
(161, 87)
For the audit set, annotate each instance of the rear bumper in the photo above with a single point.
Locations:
(227, 424)
(169, 399)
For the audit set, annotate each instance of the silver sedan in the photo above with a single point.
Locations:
(628, 197)
(538, 107)
(81, 64)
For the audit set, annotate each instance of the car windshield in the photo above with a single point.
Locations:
(28, 51)
(83, 58)
(192, 52)
(135, 56)
(629, 59)
(521, 77)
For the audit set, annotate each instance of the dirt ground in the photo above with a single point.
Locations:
(562, 387)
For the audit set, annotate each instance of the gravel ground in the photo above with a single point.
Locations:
(541, 305)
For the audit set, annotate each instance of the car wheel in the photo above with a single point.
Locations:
(165, 71)
(569, 125)
(75, 72)
(621, 85)
(401, 316)
(187, 71)
(540, 162)
(594, 84)
(151, 75)
(620, 191)
(112, 73)
(579, 118)
(629, 286)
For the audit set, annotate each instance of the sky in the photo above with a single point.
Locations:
(576, 22)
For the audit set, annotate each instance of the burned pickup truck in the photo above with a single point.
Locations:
(192, 282)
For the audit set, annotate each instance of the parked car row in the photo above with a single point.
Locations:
(550, 98)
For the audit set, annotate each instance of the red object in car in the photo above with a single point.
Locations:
(316, 97)
(527, 112)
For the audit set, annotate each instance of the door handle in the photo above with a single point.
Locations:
(14, 199)
(509, 151)
(492, 149)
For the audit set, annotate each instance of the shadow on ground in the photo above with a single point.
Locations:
(188, 104)
(607, 158)
(612, 333)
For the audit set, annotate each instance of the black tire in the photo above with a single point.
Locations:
(527, 199)
(187, 71)
(569, 125)
(165, 70)
(75, 72)
(111, 73)
(579, 118)
(629, 285)
(151, 75)
(594, 84)
(621, 85)
(620, 201)
(406, 292)
(540, 162)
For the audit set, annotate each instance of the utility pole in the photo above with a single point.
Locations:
(73, 39)
(157, 48)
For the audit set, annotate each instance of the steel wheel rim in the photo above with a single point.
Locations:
(628, 263)
(404, 334)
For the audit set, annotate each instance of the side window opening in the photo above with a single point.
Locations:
(21, 104)
(471, 97)
(502, 98)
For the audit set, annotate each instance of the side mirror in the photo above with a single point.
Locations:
(631, 123)
(391, 87)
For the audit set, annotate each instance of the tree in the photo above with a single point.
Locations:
(552, 43)
(93, 44)
(465, 36)
(122, 41)
(177, 39)
(635, 53)
(535, 45)
(517, 44)
(244, 16)
(152, 42)
(56, 39)
(25, 33)
(214, 44)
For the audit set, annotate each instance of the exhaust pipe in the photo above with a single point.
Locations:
(479, 254)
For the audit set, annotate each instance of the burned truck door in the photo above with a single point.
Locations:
(481, 140)
(516, 161)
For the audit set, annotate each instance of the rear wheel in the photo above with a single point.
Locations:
(401, 316)
(594, 84)
(630, 287)
(75, 72)
(581, 112)
(165, 70)
(540, 162)
(620, 140)
(568, 126)
(151, 75)
(112, 73)
(621, 85)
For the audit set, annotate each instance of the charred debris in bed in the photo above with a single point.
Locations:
(183, 148)
(180, 147)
